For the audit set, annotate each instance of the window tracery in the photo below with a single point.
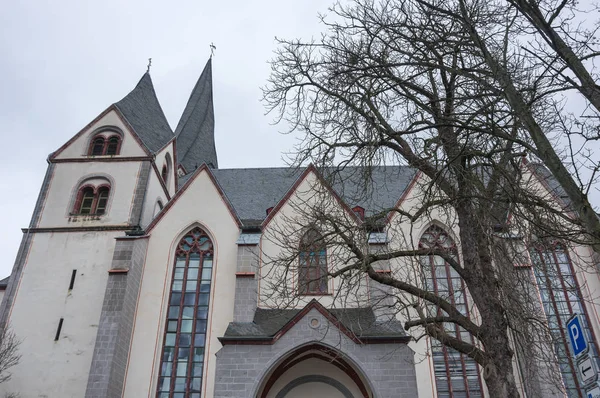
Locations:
(456, 375)
(182, 358)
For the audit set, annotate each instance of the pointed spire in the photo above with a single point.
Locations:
(143, 112)
(196, 129)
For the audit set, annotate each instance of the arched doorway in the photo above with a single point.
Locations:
(314, 371)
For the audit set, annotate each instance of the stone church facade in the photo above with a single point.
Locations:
(141, 274)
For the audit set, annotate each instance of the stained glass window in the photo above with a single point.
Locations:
(187, 314)
(456, 374)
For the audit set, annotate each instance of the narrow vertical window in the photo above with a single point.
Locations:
(102, 200)
(312, 270)
(182, 358)
(456, 375)
(87, 201)
(112, 147)
(58, 329)
(165, 173)
(561, 299)
(72, 283)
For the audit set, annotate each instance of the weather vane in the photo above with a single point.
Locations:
(212, 49)
(149, 65)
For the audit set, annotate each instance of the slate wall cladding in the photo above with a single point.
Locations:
(107, 372)
(15, 275)
(139, 194)
(388, 368)
(246, 293)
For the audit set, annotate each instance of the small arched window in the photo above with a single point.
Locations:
(166, 169)
(312, 275)
(97, 146)
(165, 173)
(112, 146)
(92, 200)
(103, 144)
(87, 201)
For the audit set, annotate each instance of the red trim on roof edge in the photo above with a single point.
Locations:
(184, 188)
(160, 180)
(305, 173)
(402, 198)
(96, 119)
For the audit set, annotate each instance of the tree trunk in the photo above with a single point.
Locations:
(484, 289)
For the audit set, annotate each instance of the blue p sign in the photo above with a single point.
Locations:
(577, 336)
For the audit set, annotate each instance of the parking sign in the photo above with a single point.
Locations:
(577, 336)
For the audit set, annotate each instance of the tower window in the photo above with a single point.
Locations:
(103, 144)
(312, 270)
(92, 200)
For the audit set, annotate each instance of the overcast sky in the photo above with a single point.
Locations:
(64, 62)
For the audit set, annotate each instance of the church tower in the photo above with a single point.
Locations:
(103, 185)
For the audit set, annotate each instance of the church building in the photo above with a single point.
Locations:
(144, 273)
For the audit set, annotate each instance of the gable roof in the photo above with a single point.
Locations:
(143, 112)
(196, 128)
(252, 191)
(360, 324)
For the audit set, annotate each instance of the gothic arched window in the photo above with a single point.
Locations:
(312, 270)
(561, 299)
(456, 375)
(182, 360)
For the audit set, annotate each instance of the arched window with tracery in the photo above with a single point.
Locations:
(312, 270)
(91, 199)
(456, 375)
(105, 143)
(561, 298)
(182, 358)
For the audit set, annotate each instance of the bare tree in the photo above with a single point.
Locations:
(9, 353)
(409, 82)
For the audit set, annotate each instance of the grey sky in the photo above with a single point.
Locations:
(64, 62)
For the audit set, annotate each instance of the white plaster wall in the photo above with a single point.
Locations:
(154, 192)
(214, 217)
(79, 147)
(63, 189)
(60, 368)
(288, 223)
(160, 161)
(314, 390)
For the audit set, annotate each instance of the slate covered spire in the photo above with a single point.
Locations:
(196, 129)
(143, 112)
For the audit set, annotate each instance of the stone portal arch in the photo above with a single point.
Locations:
(299, 366)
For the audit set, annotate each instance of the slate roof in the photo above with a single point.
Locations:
(252, 191)
(546, 176)
(143, 112)
(4, 283)
(196, 127)
(360, 321)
